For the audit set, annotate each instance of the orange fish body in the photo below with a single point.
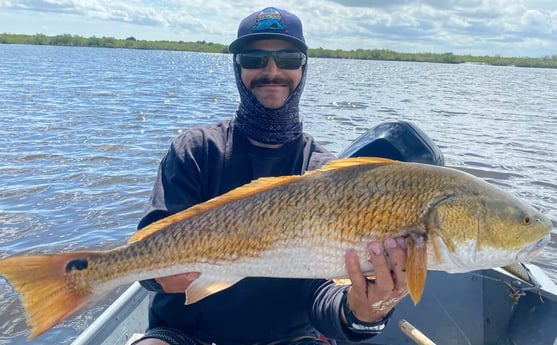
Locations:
(297, 227)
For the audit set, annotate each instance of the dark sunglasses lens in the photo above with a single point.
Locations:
(289, 60)
(253, 60)
(283, 59)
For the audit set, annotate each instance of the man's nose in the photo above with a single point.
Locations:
(271, 67)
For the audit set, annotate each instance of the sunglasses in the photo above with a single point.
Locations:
(285, 59)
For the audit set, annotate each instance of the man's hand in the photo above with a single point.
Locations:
(177, 283)
(371, 300)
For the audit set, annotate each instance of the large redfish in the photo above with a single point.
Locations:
(297, 227)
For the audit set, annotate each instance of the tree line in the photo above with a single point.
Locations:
(110, 42)
(208, 47)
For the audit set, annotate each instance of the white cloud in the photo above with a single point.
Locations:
(504, 27)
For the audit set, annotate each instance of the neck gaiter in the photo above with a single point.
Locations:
(269, 126)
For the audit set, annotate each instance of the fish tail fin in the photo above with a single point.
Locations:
(45, 293)
(416, 267)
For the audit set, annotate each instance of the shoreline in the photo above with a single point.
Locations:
(209, 47)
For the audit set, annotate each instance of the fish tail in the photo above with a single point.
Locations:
(45, 292)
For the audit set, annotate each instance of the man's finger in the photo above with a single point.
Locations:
(397, 256)
(352, 263)
(384, 279)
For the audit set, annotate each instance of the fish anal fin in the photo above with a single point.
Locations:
(205, 286)
(342, 281)
(416, 267)
(45, 294)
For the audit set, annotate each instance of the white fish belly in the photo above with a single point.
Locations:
(468, 257)
(291, 260)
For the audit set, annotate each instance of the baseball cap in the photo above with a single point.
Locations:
(269, 23)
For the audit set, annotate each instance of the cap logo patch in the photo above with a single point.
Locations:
(268, 20)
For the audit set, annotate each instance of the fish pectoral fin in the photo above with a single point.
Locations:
(416, 267)
(205, 286)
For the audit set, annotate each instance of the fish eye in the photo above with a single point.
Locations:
(526, 220)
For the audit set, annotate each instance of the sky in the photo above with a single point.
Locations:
(477, 27)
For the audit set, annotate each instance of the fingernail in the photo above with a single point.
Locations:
(401, 242)
(390, 243)
(376, 248)
(351, 256)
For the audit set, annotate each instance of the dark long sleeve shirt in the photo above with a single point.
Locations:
(203, 163)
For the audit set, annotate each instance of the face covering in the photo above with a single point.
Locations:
(269, 126)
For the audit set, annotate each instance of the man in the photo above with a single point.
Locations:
(265, 138)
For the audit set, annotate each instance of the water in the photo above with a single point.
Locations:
(82, 131)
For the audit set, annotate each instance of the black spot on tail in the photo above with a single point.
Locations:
(78, 264)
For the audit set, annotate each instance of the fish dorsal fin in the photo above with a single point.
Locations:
(206, 286)
(254, 187)
(352, 162)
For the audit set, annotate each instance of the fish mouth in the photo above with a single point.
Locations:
(531, 251)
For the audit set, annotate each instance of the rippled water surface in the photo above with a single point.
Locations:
(82, 131)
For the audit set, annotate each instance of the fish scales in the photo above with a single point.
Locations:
(250, 226)
(298, 226)
(338, 209)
